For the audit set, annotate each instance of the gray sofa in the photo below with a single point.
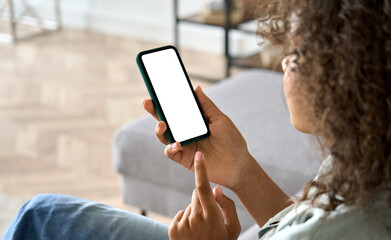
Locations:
(254, 100)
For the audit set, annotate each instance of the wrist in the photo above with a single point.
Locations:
(259, 194)
(247, 174)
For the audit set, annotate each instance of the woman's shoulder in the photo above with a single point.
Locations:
(303, 221)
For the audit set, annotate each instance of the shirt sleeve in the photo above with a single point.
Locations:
(315, 223)
(302, 221)
(270, 227)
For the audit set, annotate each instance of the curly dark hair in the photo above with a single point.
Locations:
(350, 42)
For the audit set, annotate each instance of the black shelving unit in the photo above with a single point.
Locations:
(246, 62)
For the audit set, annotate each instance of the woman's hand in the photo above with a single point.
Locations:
(203, 218)
(225, 150)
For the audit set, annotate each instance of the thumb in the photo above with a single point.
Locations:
(228, 210)
(212, 112)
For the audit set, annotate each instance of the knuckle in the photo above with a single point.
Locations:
(188, 207)
(197, 214)
(173, 230)
(167, 153)
(194, 222)
(161, 139)
(173, 226)
(180, 212)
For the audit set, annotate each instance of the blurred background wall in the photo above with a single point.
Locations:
(150, 20)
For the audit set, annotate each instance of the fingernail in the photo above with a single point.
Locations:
(218, 188)
(198, 156)
(174, 146)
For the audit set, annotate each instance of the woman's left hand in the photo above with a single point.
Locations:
(203, 218)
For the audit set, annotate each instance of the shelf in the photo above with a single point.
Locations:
(254, 61)
(247, 26)
(197, 19)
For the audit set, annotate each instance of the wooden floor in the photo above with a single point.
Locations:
(62, 96)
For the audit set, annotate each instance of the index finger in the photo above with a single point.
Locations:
(202, 182)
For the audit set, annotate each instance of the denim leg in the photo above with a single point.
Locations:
(55, 216)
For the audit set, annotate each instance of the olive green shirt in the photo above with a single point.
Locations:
(303, 221)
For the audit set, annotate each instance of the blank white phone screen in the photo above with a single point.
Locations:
(174, 94)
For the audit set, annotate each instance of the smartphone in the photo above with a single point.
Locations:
(172, 94)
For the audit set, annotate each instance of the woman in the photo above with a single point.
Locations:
(337, 83)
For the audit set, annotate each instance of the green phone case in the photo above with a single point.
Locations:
(155, 100)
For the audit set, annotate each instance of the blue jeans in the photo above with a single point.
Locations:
(54, 216)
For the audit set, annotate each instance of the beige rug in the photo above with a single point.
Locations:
(9, 206)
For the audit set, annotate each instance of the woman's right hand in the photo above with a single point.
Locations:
(225, 150)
